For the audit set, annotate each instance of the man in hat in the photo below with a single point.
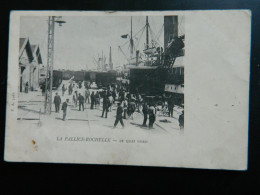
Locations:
(131, 109)
(92, 97)
(170, 106)
(70, 89)
(81, 102)
(181, 120)
(63, 89)
(152, 114)
(64, 109)
(105, 106)
(57, 101)
(119, 116)
(87, 95)
(145, 112)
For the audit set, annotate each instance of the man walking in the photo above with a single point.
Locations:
(92, 97)
(57, 102)
(181, 120)
(63, 89)
(119, 116)
(87, 94)
(70, 89)
(65, 108)
(152, 113)
(43, 89)
(145, 112)
(26, 87)
(105, 106)
(170, 106)
(97, 100)
(125, 105)
(81, 102)
(76, 98)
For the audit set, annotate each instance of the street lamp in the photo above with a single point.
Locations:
(50, 56)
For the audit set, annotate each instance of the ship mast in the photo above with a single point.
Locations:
(131, 41)
(110, 60)
(147, 33)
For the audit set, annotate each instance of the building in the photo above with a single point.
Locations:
(29, 64)
(37, 64)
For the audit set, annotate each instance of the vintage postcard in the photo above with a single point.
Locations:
(157, 88)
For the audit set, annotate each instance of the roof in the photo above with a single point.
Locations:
(25, 44)
(22, 40)
(34, 48)
(36, 52)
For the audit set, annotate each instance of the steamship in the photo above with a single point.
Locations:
(157, 70)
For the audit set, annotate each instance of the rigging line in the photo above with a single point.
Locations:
(158, 42)
(140, 38)
(134, 36)
(122, 52)
(152, 34)
(124, 44)
(128, 48)
(139, 31)
(138, 23)
(154, 37)
(153, 24)
(181, 30)
(160, 32)
(181, 24)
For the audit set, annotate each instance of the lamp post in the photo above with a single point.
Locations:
(50, 57)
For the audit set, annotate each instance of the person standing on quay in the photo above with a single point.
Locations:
(87, 94)
(26, 87)
(119, 116)
(70, 89)
(170, 106)
(63, 89)
(125, 105)
(65, 109)
(97, 100)
(181, 120)
(105, 106)
(76, 98)
(57, 102)
(151, 116)
(145, 112)
(81, 102)
(43, 89)
(92, 97)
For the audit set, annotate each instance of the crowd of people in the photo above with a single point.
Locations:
(127, 103)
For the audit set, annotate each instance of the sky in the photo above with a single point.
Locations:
(83, 38)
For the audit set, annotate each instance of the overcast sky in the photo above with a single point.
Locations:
(83, 37)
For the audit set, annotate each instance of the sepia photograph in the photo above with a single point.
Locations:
(110, 88)
(81, 71)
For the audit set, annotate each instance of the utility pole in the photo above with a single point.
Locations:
(50, 51)
(50, 57)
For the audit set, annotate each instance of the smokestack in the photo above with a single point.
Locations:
(170, 29)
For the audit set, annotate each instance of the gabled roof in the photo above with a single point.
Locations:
(25, 45)
(36, 53)
(34, 48)
(22, 40)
